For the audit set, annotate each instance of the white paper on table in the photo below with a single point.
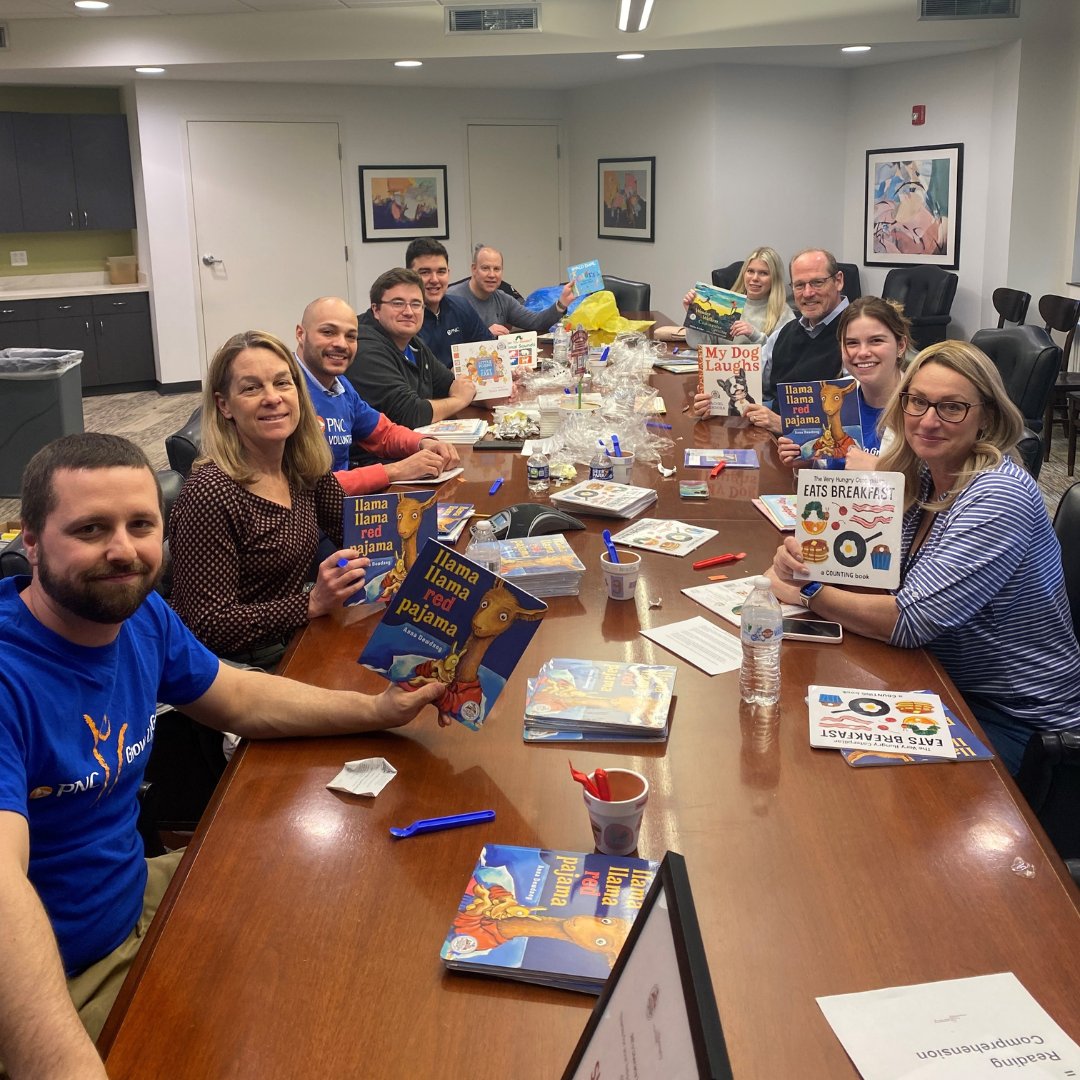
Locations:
(726, 598)
(367, 777)
(701, 643)
(538, 446)
(449, 474)
(957, 1028)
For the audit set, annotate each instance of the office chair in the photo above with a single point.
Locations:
(629, 295)
(852, 283)
(926, 293)
(1028, 361)
(182, 447)
(1011, 306)
(724, 277)
(1060, 313)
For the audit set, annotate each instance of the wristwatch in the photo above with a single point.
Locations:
(808, 592)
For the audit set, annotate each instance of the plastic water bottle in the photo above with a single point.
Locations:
(600, 466)
(560, 345)
(762, 632)
(483, 547)
(539, 472)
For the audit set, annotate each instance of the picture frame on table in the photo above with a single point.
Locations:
(658, 1001)
(626, 199)
(402, 202)
(913, 202)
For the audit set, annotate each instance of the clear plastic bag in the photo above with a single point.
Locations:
(37, 363)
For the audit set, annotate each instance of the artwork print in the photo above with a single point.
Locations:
(402, 202)
(913, 206)
(626, 198)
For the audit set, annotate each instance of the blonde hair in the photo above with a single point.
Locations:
(307, 456)
(774, 309)
(1000, 428)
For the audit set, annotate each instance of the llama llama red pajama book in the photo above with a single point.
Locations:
(456, 623)
(822, 416)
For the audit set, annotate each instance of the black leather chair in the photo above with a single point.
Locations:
(1028, 362)
(1067, 527)
(171, 482)
(852, 282)
(629, 295)
(1060, 313)
(1011, 306)
(926, 293)
(182, 447)
(724, 277)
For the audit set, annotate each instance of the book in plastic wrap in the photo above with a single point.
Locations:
(519, 350)
(484, 365)
(713, 310)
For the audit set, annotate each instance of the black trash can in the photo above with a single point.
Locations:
(40, 400)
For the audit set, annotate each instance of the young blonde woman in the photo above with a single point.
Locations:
(245, 529)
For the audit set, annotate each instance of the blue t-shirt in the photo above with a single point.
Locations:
(344, 416)
(869, 417)
(76, 728)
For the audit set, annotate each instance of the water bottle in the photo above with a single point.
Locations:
(600, 466)
(761, 632)
(560, 346)
(483, 547)
(539, 472)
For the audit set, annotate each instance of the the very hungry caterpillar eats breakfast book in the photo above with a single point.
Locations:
(456, 623)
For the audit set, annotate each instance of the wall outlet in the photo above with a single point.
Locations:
(18, 258)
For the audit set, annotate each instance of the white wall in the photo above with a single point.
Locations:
(378, 127)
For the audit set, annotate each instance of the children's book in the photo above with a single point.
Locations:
(779, 509)
(545, 565)
(849, 526)
(726, 598)
(731, 376)
(483, 364)
(585, 277)
(456, 431)
(969, 747)
(456, 623)
(667, 537)
(519, 350)
(903, 722)
(604, 498)
(557, 918)
(713, 310)
(677, 367)
(822, 416)
(446, 474)
(389, 529)
(601, 696)
(732, 457)
(452, 519)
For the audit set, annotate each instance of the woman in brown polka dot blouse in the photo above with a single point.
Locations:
(245, 529)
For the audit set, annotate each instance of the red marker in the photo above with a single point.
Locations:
(602, 786)
(717, 469)
(720, 560)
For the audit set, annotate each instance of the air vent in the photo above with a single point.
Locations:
(516, 19)
(3, 36)
(969, 9)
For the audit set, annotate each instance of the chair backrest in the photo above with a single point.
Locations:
(1011, 306)
(852, 283)
(1067, 527)
(629, 295)
(725, 276)
(1029, 448)
(923, 290)
(182, 447)
(1060, 313)
(1028, 362)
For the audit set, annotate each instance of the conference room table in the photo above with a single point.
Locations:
(299, 939)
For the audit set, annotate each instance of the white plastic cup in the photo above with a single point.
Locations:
(616, 824)
(621, 577)
(622, 467)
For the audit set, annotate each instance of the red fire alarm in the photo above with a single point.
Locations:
(918, 115)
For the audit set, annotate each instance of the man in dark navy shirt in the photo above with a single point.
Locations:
(448, 320)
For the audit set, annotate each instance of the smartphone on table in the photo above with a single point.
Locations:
(821, 630)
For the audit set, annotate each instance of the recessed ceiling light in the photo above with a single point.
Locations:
(150, 70)
(630, 56)
(91, 5)
(408, 63)
(856, 48)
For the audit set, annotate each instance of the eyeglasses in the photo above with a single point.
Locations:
(815, 284)
(400, 305)
(952, 412)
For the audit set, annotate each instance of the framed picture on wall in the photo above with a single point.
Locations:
(626, 196)
(913, 198)
(402, 202)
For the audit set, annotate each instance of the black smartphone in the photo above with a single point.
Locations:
(829, 633)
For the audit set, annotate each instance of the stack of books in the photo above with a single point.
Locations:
(456, 431)
(599, 701)
(542, 565)
(452, 519)
(604, 498)
(779, 509)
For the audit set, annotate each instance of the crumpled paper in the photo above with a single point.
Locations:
(367, 777)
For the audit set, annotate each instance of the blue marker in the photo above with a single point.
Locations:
(615, 445)
(604, 354)
(613, 555)
(666, 427)
(495, 487)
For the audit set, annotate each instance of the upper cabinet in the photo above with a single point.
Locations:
(74, 172)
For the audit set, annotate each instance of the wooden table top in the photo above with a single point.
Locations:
(301, 940)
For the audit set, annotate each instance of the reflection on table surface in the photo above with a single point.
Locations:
(302, 941)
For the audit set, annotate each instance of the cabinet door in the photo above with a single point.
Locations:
(11, 219)
(68, 332)
(99, 146)
(21, 334)
(125, 349)
(46, 171)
